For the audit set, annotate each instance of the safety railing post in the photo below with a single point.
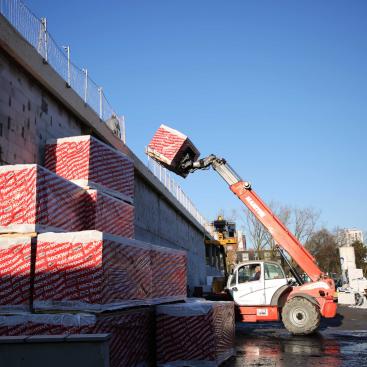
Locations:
(100, 92)
(85, 85)
(67, 50)
(45, 45)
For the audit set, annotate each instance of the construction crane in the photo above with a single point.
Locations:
(259, 288)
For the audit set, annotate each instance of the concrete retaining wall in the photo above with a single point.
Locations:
(28, 116)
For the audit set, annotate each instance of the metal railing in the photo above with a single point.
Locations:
(35, 31)
(163, 175)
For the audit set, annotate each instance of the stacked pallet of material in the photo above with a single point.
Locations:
(94, 271)
(90, 163)
(169, 271)
(170, 148)
(131, 331)
(33, 199)
(15, 273)
(108, 176)
(67, 247)
(108, 214)
(195, 334)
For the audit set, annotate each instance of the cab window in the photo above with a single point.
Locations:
(248, 273)
(273, 271)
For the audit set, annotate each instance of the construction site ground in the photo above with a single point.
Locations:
(340, 342)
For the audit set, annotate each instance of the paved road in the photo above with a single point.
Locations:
(340, 342)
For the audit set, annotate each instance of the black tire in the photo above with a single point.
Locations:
(300, 316)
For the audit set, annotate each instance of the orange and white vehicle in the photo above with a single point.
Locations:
(266, 296)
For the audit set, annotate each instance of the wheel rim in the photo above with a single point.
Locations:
(299, 316)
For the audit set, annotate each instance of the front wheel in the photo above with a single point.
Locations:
(300, 316)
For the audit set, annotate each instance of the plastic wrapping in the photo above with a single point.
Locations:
(108, 214)
(169, 147)
(200, 333)
(131, 342)
(33, 199)
(89, 162)
(169, 272)
(15, 269)
(94, 271)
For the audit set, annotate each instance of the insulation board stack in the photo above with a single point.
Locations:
(170, 147)
(169, 271)
(15, 271)
(106, 173)
(131, 339)
(33, 199)
(108, 214)
(197, 333)
(94, 271)
(91, 163)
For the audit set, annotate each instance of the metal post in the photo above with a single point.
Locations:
(45, 41)
(67, 49)
(100, 91)
(85, 85)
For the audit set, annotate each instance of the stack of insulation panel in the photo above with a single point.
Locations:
(94, 271)
(88, 162)
(195, 333)
(33, 199)
(15, 273)
(66, 246)
(107, 174)
(131, 331)
(171, 148)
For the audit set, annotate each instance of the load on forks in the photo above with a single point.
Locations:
(259, 288)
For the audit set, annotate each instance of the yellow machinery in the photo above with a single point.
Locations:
(225, 235)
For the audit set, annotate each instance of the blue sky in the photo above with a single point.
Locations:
(279, 88)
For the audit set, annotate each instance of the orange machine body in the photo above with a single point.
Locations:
(321, 289)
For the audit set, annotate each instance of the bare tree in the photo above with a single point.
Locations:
(284, 214)
(304, 223)
(256, 232)
(300, 221)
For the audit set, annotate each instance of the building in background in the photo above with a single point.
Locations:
(345, 236)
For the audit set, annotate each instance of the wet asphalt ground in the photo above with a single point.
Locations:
(341, 341)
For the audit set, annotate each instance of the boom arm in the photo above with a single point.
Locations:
(282, 236)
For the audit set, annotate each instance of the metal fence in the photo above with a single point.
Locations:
(162, 174)
(35, 31)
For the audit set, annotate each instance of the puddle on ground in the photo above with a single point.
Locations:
(280, 349)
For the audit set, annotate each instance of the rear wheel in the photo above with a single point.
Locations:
(300, 316)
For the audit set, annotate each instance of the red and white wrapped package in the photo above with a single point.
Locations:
(90, 163)
(169, 273)
(33, 199)
(132, 339)
(131, 342)
(169, 147)
(15, 273)
(91, 271)
(108, 214)
(200, 333)
(46, 324)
